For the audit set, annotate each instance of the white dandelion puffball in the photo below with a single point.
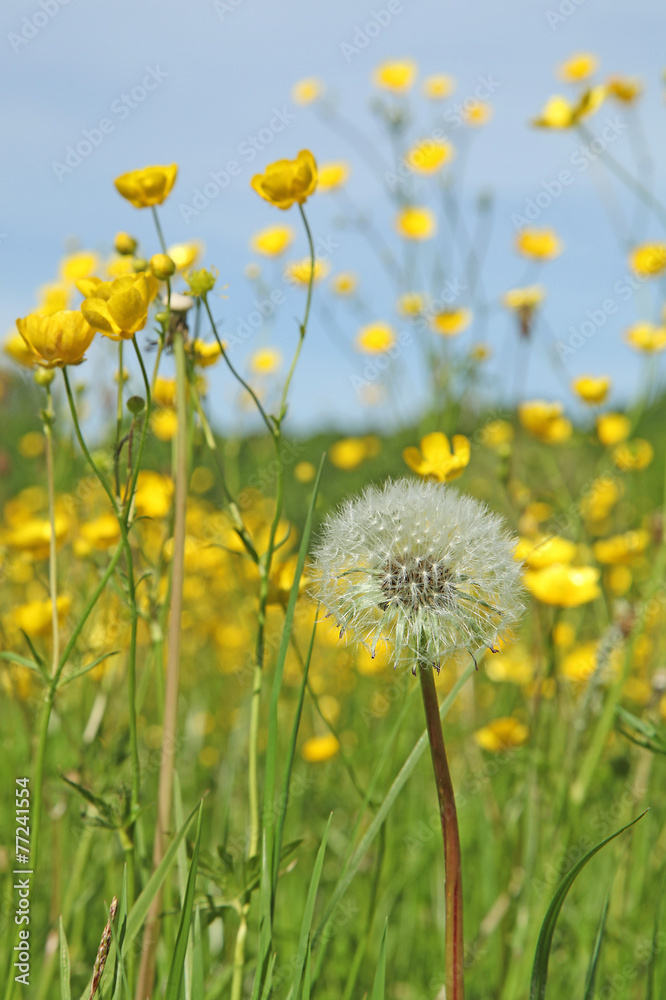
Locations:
(419, 566)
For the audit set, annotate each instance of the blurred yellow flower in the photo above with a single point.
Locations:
(512, 666)
(648, 259)
(578, 67)
(119, 308)
(544, 551)
(624, 88)
(287, 182)
(591, 389)
(78, 265)
(632, 456)
(35, 617)
(539, 244)
(411, 303)
(118, 266)
(202, 281)
(272, 241)
(581, 662)
(58, 340)
(416, 223)
(344, 283)
(306, 91)
(298, 271)
(123, 244)
(618, 580)
(148, 186)
(496, 434)
(524, 298)
(621, 550)
(375, 338)
(451, 322)
(348, 453)
(559, 113)
(304, 472)
(154, 493)
(427, 156)
(164, 424)
(612, 428)
(563, 585)
(320, 748)
(545, 421)
(438, 86)
(164, 391)
(480, 352)
(52, 299)
(204, 354)
(600, 498)
(185, 255)
(32, 535)
(646, 337)
(395, 75)
(477, 113)
(564, 634)
(265, 361)
(32, 444)
(101, 533)
(16, 347)
(436, 460)
(506, 733)
(333, 175)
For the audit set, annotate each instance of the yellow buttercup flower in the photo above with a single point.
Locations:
(438, 86)
(32, 444)
(633, 456)
(562, 585)
(502, 734)
(579, 665)
(17, 348)
(648, 259)
(118, 266)
(101, 533)
(539, 244)
(265, 361)
(578, 67)
(287, 182)
(599, 499)
(78, 265)
(477, 113)
(164, 392)
(451, 322)
(148, 186)
(272, 241)
(304, 472)
(202, 281)
(52, 299)
(618, 580)
(375, 338)
(348, 453)
(436, 460)
(513, 666)
(32, 535)
(333, 175)
(613, 428)
(318, 749)
(544, 551)
(35, 617)
(646, 337)
(154, 494)
(185, 255)
(622, 550)
(164, 424)
(124, 244)
(344, 283)
(560, 113)
(427, 156)
(524, 298)
(545, 421)
(411, 303)
(395, 75)
(307, 91)
(58, 340)
(416, 223)
(298, 271)
(119, 308)
(204, 354)
(591, 389)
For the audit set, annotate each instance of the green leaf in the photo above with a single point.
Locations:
(23, 661)
(197, 957)
(118, 936)
(175, 979)
(379, 985)
(630, 725)
(139, 911)
(544, 944)
(652, 966)
(80, 671)
(65, 982)
(594, 961)
(305, 938)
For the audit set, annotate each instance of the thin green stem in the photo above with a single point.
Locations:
(119, 419)
(158, 227)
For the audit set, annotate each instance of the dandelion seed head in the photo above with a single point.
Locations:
(419, 566)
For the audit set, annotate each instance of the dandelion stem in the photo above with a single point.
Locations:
(455, 989)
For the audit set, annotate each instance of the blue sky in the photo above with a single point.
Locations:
(221, 73)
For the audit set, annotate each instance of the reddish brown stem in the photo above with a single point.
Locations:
(453, 942)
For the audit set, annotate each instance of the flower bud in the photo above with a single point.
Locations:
(44, 377)
(135, 405)
(140, 264)
(161, 266)
(124, 244)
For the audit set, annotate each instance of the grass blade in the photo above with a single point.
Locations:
(594, 961)
(175, 980)
(379, 985)
(65, 979)
(308, 913)
(544, 944)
